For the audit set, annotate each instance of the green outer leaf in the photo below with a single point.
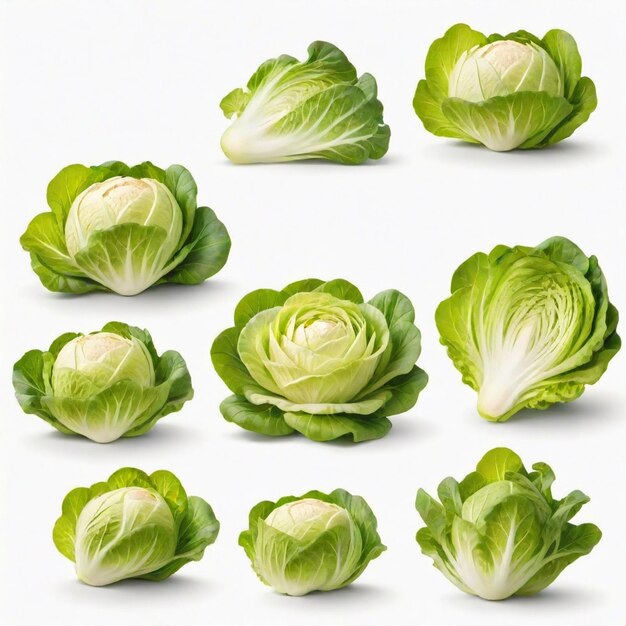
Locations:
(183, 187)
(584, 101)
(257, 301)
(235, 102)
(341, 289)
(54, 281)
(328, 427)
(404, 390)
(46, 239)
(576, 541)
(346, 120)
(196, 523)
(68, 183)
(519, 120)
(562, 48)
(31, 380)
(443, 55)
(497, 463)
(429, 111)
(205, 252)
(227, 363)
(265, 419)
(124, 403)
(299, 286)
(198, 529)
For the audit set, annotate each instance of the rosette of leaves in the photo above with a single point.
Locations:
(316, 358)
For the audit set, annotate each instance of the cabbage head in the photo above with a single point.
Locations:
(529, 327)
(118, 228)
(104, 385)
(516, 91)
(133, 526)
(315, 109)
(315, 542)
(500, 532)
(316, 359)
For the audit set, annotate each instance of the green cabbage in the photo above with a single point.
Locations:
(104, 385)
(118, 228)
(133, 526)
(315, 358)
(315, 542)
(316, 109)
(500, 532)
(529, 327)
(516, 91)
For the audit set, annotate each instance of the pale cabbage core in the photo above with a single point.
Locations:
(502, 68)
(298, 519)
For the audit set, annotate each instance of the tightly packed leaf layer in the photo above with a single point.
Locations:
(104, 385)
(315, 358)
(315, 542)
(133, 526)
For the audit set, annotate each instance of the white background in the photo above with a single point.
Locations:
(92, 81)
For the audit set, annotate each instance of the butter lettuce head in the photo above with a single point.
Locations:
(118, 228)
(315, 542)
(315, 358)
(104, 385)
(505, 92)
(133, 526)
(500, 532)
(529, 327)
(314, 109)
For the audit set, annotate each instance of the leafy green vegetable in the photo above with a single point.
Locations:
(316, 109)
(315, 542)
(499, 532)
(316, 359)
(516, 91)
(119, 228)
(104, 385)
(529, 327)
(133, 526)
